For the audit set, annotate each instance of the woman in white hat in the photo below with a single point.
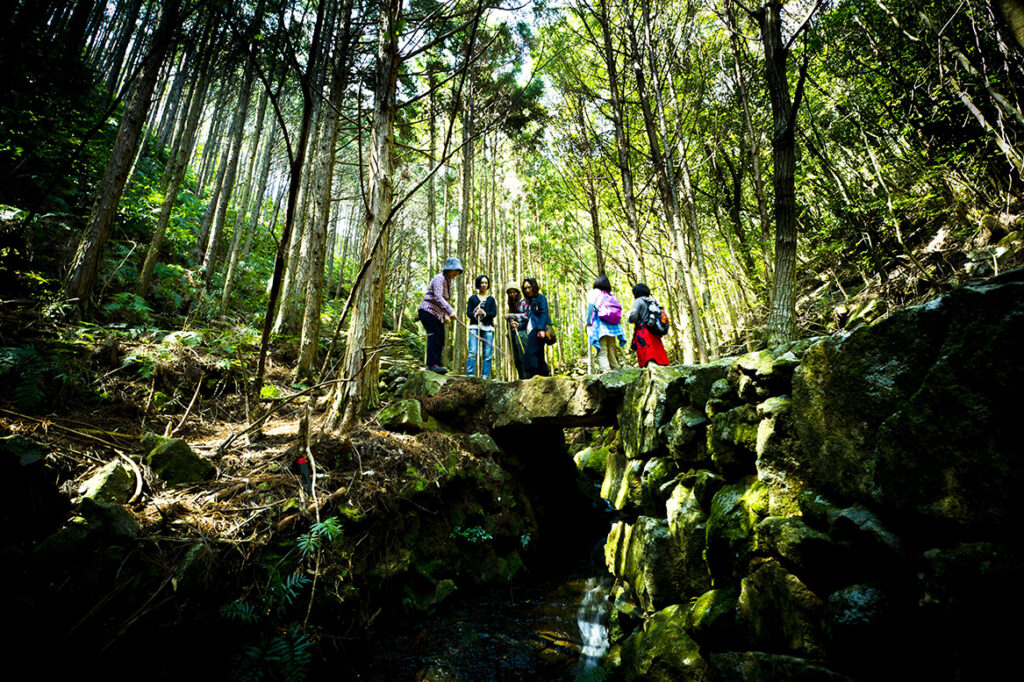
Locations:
(516, 316)
(435, 310)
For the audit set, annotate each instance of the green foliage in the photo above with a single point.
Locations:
(22, 368)
(240, 611)
(327, 531)
(130, 308)
(472, 534)
(283, 656)
(270, 391)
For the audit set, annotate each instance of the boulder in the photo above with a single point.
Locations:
(811, 553)
(686, 437)
(423, 382)
(482, 445)
(731, 541)
(930, 434)
(32, 506)
(761, 374)
(647, 407)
(859, 618)
(174, 461)
(721, 398)
(112, 483)
(556, 398)
(196, 568)
(870, 550)
(687, 524)
(629, 495)
(705, 485)
(644, 556)
(777, 612)
(615, 471)
(21, 449)
(776, 448)
(662, 651)
(732, 441)
(406, 415)
(108, 519)
(759, 666)
(713, 618)
(592, 461)
(655, 477)
(702, 379)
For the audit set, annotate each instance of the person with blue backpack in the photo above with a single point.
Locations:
(604, 324)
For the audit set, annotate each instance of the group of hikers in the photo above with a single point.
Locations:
(530, 327)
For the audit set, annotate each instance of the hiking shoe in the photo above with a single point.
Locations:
(439, 369)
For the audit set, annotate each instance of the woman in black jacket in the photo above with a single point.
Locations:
(537, 321)
(481, 310)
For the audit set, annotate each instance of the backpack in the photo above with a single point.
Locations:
(608, 308)
(655, 318)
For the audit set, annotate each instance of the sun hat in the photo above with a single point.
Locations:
(453, 263)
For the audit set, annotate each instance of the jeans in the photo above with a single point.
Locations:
(487, 352)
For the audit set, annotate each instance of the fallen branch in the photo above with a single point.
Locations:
(138, 475)
(82, 434)
(188, 410)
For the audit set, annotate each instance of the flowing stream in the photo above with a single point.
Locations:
(593, 624)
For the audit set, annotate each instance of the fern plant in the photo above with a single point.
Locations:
(22, 368)
(284, 656)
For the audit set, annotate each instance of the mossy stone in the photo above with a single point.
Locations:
(592, 461)
(735, 512)
(406, 415)
(26, 450)
(778, 612)
(112, 483)
(687, 524)
(761, 666)
(108, 518)
(174, 461)
(732, 441)
(662, 651)
(713, 617)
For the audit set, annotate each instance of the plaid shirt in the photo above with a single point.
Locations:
(435, 301)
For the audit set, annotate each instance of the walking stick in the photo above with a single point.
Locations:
(478, 338)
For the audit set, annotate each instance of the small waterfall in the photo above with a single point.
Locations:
(593, 623)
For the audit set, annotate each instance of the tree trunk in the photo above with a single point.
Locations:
(237, 134)
(177, 174)
(297, 161)
(621, 144)
(235, 251)
(666, 188)
(323, 175)
(89, 254)
(781, 321)
(360, 366)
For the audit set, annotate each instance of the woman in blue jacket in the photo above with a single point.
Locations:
(481, 310)
(537, 321)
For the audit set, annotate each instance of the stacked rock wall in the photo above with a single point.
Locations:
(835, 508)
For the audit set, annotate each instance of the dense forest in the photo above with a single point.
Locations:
(217, 212)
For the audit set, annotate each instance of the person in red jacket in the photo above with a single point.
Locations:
(647, 343)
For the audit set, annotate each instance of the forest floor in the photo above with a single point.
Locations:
(88, 394)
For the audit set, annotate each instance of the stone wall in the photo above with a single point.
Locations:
(844, 507)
